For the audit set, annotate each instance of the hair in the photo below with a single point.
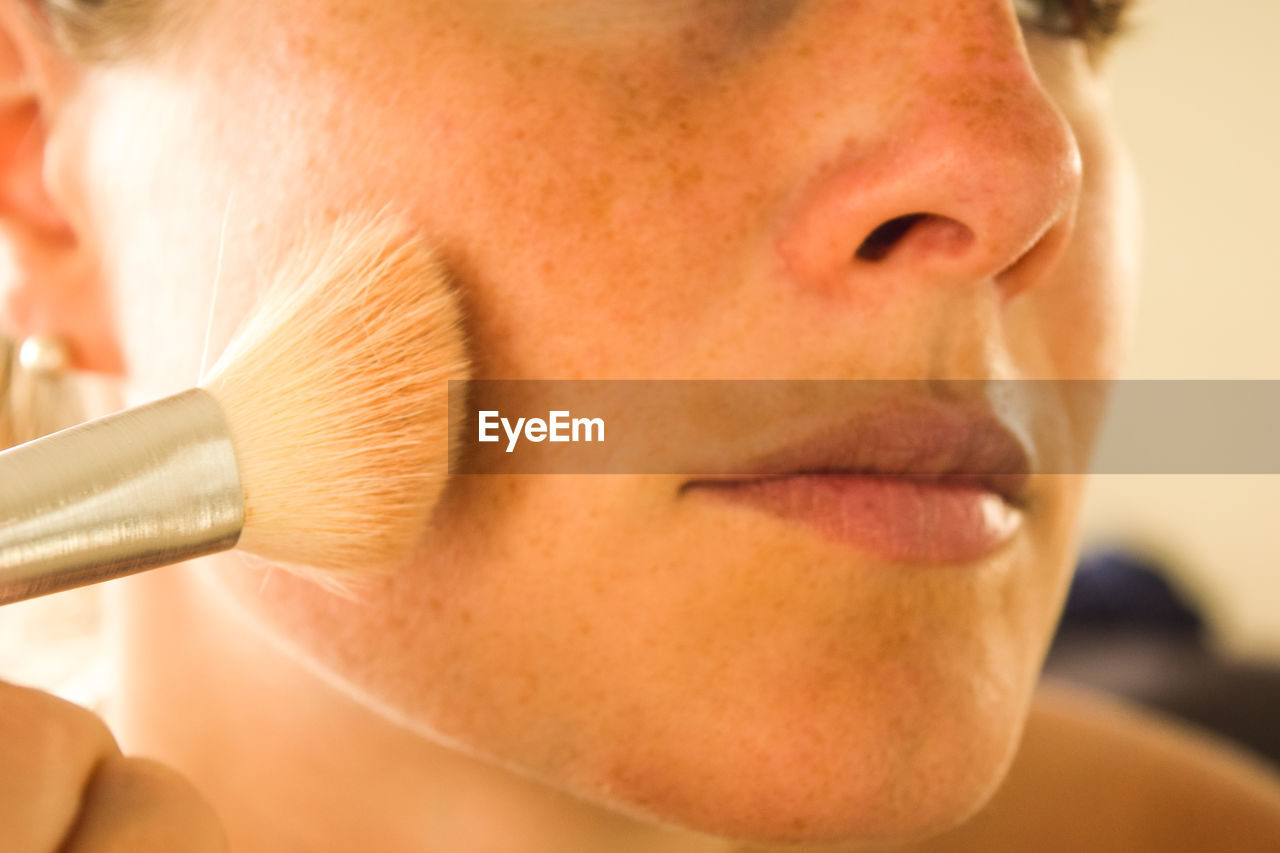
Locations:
(112, 30)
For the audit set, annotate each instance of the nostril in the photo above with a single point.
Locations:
(880, 242)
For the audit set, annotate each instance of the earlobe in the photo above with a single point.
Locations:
(49, 282)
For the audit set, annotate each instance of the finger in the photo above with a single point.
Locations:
(134, 805)
(48, 750)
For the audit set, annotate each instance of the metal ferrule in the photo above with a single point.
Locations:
(143, 488)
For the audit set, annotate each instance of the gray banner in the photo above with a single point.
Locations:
(773, 427)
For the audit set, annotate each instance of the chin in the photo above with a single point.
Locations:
(884, 771)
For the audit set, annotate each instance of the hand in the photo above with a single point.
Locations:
(66, 787)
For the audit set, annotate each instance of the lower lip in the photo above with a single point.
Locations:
(902, 519)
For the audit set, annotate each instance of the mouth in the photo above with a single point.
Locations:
(908, 481)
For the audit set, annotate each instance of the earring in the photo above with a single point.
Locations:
(36, 396)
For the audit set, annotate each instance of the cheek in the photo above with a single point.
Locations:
(187, 212)
(193, 177)
(1114, 198)
(1094, 287)
(145, 231)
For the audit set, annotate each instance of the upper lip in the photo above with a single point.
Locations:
(953, 442)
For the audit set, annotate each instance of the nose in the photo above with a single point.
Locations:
(969, 172)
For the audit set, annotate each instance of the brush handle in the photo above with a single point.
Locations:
(143, 488)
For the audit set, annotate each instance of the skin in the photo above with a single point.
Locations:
(624, 190)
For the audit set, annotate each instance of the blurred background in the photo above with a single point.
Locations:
(1197, 93)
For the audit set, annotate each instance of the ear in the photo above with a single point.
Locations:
(49, 281)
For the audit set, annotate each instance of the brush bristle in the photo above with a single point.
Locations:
(336, 394)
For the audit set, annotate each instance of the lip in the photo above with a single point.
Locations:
(907, 480)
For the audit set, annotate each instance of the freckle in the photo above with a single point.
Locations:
(588, 72)
(688, 177)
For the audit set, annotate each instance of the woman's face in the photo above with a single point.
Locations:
(655, 189)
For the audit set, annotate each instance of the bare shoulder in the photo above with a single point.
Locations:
(1095, 773)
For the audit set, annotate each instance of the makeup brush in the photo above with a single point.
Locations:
(319, 439)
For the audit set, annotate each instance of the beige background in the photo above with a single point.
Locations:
(1197, 92)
